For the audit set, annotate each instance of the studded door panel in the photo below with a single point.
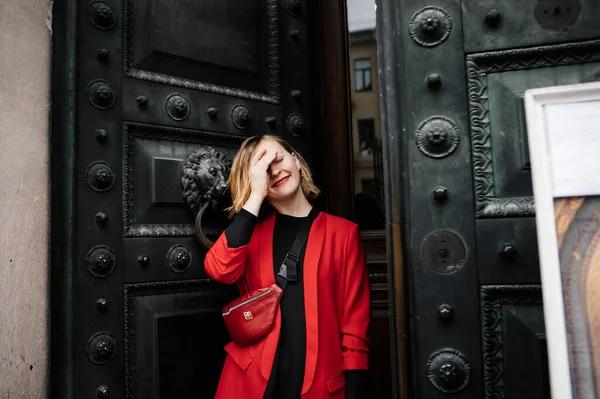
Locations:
(159, 81)
(474, 282)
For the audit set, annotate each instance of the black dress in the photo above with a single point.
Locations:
(287, 374)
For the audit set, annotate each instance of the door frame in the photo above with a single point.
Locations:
(396, 194)
(63, 350)
(336, 122)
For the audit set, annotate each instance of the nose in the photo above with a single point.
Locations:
(273, 172)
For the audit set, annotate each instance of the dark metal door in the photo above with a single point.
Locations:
(460, 181)
(154, 81)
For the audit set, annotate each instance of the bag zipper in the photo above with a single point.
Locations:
(246, 301)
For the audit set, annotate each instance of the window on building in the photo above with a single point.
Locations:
(366, 136)
(362, 74)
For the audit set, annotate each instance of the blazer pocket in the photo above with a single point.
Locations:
(238, 355)
(336, 383)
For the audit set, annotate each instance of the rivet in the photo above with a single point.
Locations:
(102, 54)
(101, 135)
(101, 218)
(295, 35)
(101, 304)
(270, 120)
(434, 81)
(493, 18)
(212, 112)
(296, 94)
(446, 311)
(440, 194)
(143, 260)
(142, 101)
(103, 391)
(509, 251)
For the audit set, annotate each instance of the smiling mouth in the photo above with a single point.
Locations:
(280, 181)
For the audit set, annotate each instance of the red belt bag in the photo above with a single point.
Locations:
(251, 317)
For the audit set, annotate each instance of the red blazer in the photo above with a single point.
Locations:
(336, 300)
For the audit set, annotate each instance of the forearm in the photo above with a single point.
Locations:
(226, 260)
(240, 230)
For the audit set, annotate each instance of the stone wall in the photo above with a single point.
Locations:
(25, 59)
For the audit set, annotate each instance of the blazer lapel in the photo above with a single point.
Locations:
(314, 247)
(267, 278)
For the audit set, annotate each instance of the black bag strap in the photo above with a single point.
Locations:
(289, 266)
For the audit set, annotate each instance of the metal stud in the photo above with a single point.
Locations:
(446, 311)
(493, 18)
(102, 54)
(295, 35)
(103, 391)
(270, 120)
(440, 194)
(509, 251)
(212, 112)
(101, 218)
(296, 94)
(434, 81)
(143, 260)
(142, 101)
(101, 135)
(101, 304)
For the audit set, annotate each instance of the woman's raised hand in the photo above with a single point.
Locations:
(259, 179)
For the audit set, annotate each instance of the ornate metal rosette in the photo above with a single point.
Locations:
(448, 370)
(295, 124)
(437, 137)
(444, 252)
(101, 15)
(100, 261)
(101, 94)
(293, 7)
(430, 26)
(101, 348)
(177, 107)
(100, 176)
(241, 117)
(179, 258)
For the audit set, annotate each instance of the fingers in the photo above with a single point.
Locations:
(259, 155)
(266, 159)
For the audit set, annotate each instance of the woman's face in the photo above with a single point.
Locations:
(283, 173)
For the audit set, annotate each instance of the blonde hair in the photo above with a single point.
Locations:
(239, 178)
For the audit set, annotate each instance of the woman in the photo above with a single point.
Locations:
(318, 346)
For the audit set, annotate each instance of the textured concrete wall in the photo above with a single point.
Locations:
(25, 58)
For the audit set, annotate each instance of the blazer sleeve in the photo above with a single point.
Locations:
(357, 306)
(224, 263)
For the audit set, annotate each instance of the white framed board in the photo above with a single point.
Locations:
(563, 124)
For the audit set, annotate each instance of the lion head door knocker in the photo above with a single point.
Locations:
(204, 180)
